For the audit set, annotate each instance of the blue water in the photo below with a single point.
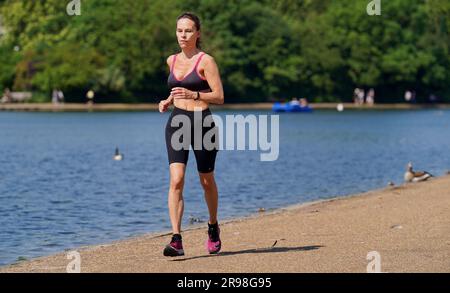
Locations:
(60, 188)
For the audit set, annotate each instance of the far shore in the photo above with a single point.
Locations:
(73, 107)
(406, 228)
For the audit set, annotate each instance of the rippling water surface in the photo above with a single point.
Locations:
(60, 188)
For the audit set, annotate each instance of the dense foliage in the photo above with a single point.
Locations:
(265, 49)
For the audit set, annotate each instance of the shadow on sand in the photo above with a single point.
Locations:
(256, 250)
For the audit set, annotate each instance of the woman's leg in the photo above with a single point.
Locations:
(206, 158)
(213, 244)
(211, 194)
(175, 200)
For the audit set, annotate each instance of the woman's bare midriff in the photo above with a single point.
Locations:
(191, 105)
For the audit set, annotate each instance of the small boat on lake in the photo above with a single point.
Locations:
(291, 108)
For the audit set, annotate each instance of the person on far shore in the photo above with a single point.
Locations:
(294, 102)
(60, 96)
(55, 97)
(90, 97)
(358, 96)
(6, 96)
(355, 95)
(303, 102)
(410, 96)
(432, 98)
(370, 99)
(361, 95)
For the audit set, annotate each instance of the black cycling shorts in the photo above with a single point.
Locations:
(196, 130)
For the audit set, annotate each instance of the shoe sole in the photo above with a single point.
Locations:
(172, 252)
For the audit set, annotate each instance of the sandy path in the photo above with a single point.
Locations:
(408, 225)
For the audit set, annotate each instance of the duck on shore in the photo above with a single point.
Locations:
(415, 176)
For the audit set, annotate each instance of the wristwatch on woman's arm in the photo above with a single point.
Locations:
(197, 97)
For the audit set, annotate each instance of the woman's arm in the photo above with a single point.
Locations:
(212, 75)
(164, 104)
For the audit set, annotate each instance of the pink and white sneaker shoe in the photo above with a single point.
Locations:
(213, 244)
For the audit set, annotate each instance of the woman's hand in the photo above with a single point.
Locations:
(164, 105)
(182, 93)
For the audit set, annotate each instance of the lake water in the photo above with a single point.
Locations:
(60, 188)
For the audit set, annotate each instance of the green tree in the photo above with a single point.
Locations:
(265, 49)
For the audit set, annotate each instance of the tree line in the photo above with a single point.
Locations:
(266, 50)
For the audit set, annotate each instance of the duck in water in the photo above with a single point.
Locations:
(118, 156)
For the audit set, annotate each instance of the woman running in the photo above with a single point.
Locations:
(195, 83)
